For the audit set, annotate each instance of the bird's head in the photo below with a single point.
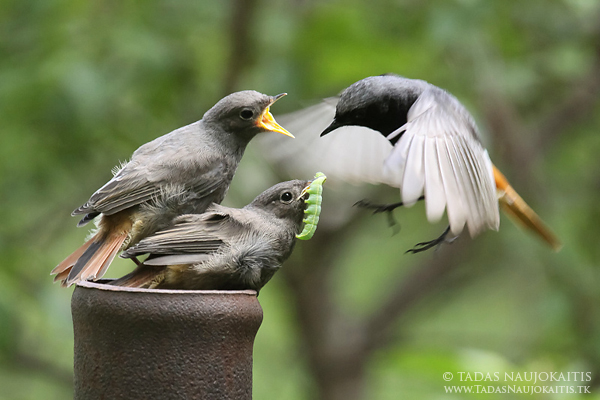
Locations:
(284, 200)
(372, 102)
(245, 114)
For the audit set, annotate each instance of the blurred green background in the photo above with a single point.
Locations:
(84, 83)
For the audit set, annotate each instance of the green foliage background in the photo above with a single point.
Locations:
(84, 83)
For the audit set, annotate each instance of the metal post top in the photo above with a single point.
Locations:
(102, 285)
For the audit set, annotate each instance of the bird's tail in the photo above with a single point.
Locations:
(91, 260)
(519, 211)
(144, 276)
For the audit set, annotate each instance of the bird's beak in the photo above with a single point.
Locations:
(304, 191)
(332, 127)
(267, 122)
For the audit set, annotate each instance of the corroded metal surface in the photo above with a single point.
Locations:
(163, 344)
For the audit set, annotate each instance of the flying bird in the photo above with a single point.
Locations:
(414, 136)
(223, 248)
(197, 161)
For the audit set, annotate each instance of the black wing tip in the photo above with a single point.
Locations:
(84, 209)
(129, 253)
(87, 218)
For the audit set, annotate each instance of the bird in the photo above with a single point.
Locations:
(415, 136)
(223, 248)
(197, 161)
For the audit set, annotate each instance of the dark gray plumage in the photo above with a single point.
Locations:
(437, 150)
(198, 161)
(411, 135)
(223, 248)
(405, 133)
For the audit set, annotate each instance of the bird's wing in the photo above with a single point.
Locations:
(355, 155)
(176, 259)
(192, 238)
(440, 155)
(135, 184)
(122, 191)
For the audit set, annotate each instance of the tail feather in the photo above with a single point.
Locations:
(116, 245)
(62, 276)
(86, 257)
(68, 262)
(515, 207)
(96, 259)
(141, 277)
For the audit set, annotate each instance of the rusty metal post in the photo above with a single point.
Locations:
(163, 344)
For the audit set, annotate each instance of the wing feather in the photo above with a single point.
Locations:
(130, 188)
(355, 155)
(455, 201)
(177, 259)
(192, 235)
(434, 187)
(440, 155)
(395, 163)
(413, 181)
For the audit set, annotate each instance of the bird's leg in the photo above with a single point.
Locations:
(380, 208)
(136, 261)
(419, 247)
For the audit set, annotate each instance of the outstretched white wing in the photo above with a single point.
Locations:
(352, 154)
(440, 155)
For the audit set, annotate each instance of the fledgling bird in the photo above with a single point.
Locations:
(224, 248)
(433, 152)
(198, 160)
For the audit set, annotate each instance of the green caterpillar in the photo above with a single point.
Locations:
(313, 206)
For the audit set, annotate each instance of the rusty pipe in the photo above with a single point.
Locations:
(163, 344)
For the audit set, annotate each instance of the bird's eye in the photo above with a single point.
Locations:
(360, 114)
(286, 197)
(246, 114)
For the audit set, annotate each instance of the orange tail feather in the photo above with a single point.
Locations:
(62, 270)
(62, 276)
(99, 254)
(519, 211)
(91, 260)
(104, 252)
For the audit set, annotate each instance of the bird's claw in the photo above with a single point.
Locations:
(437, 242)
(381, 208)
(377, 208)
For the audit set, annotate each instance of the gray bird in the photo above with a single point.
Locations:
(198, 160)
(411, 135)
(223, 248)
(437, 150)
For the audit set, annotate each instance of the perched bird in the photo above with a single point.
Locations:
(197, 161)
(433, 152)
(223, 248)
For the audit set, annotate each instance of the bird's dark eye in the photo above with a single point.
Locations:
(360, 114)
(246, 114)
(286, 197)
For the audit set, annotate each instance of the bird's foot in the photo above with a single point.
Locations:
(383, 208)
(423, 246)
(378, 208)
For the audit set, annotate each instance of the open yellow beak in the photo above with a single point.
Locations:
(266, 120)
